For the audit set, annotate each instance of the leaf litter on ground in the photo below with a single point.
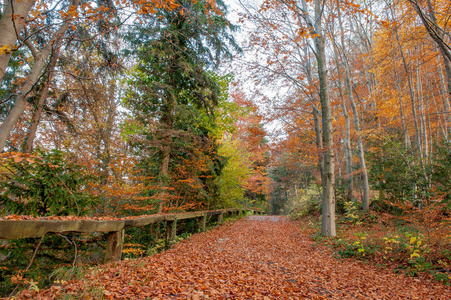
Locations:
(258, 257)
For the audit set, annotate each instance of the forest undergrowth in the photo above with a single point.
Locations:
(416, 243)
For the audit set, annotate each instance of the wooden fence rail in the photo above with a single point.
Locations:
(18, 229)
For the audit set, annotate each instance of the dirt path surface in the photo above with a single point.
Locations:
(255, 258)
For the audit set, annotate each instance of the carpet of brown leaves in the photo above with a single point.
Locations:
(254, 258)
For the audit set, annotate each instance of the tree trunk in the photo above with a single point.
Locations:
(28, 146)
(362, 162)
(164, 173)
(411, 92)
(445, 51)
(11, 25)
(421, 107)
(328, 172)
(319, 141)
(447, 64)
(434, 31)
(446, 92)
(437, 34)
(347, 138)
(364, 171)
(403, 118)
(168, 121)
(328, 178)
(348, 150)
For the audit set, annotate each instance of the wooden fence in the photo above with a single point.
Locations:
(18, 229)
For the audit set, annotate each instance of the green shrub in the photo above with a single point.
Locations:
(44, 184)
(442, 277)
(400, 175)
(359, 249)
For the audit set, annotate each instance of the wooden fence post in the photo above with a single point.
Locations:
(171, 232)
(203, 223)
(221, 218)
(114, 245)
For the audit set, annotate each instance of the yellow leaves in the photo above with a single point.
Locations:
(134, 249)
(6, 49)
(415, 254)
(72, 10)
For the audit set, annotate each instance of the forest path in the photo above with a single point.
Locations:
(257, 257)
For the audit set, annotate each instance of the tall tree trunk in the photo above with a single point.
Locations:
(437, 34)
(164, 173)
(106, 131)
(403, 118)
(28, 145)
(401, 109)
(445, 91)
(21, 98)
(319, 140)
(411, 91)
(440, 111)
(168, 121)
(347, 138)
(328, 178)
(328, 174)
(11, 25)
(447, 64)
(423, 129)
(434, 31)
(362, 162)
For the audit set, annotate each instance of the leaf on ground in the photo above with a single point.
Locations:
(254, 258)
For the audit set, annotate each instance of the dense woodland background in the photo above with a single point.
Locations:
(119, 108)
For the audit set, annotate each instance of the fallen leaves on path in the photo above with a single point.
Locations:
(254, 258)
